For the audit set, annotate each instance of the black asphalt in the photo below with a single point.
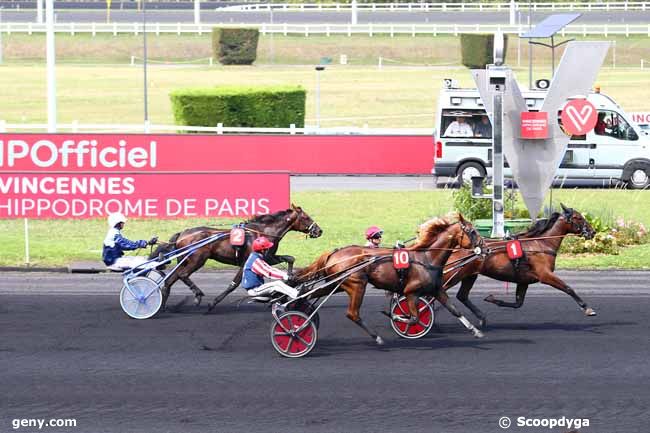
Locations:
(68, 351)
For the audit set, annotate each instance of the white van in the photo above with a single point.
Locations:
(619, 151)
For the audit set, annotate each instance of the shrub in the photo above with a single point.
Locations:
(263, 107)
(477, 49)
(472, 208)
(235, 46)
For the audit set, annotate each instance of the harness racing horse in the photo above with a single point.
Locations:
(273, 226)
(539, 245)
(435, 243)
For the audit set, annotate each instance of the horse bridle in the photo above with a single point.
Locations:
(477, 245)
(582, 228)
(311, 229)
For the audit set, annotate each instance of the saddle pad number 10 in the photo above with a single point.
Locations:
(400, 259)
(514, 250)
(237, 237)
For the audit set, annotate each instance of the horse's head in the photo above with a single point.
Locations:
(576, 223)
(460, 233)
(304, 223)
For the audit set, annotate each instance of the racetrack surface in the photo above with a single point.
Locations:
(68, 351)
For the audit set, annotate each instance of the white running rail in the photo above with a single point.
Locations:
(322, 29)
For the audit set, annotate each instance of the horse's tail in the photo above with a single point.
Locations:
(165, 247)
(315, 270)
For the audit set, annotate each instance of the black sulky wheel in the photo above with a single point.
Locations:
(285, 338)
(399, 309)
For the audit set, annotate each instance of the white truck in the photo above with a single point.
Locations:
(621, 150)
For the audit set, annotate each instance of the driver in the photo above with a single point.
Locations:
(256, 268)
(115, 244)
(373, 237)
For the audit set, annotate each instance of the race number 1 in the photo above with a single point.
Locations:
(514, 250)
(237, 237)
(400, 259)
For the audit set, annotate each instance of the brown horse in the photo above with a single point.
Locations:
(540, 244)
(435, 243)
(273, 226)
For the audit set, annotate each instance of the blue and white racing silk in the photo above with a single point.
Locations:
(115, 244)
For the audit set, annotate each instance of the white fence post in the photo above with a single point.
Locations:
(94, 30)
(3, 123)
(292, 129)
(220, 128)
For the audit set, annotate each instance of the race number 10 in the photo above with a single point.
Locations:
(400, 259)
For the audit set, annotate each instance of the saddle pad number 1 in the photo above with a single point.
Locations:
(514, 250)
(400, 259)
(237, 237)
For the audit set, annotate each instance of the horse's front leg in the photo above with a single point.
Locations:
(444, 300)
(355, 291)
(232, 286)
(463, 296)
(553, 280)
(519, 298)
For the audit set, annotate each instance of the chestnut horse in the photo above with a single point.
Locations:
(273, 226)
(435, 243)
(539, 243)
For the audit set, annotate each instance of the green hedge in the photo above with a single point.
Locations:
(477, 49)
(260, 107)
(235, 46)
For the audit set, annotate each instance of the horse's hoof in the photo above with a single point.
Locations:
(197, 300)
(489, 298)
(477, 333)
(589, 312)
(482, 323)
(379, 340)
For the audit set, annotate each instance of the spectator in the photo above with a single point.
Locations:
(483, 128)
(601, 124)
(458, 128)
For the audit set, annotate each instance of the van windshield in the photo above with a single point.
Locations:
(465, 123)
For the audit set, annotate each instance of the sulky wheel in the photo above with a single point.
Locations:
(141, 299)
(400, 309)
(308, 309)
(287, 341)
(155, 275)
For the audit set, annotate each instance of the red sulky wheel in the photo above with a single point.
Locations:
(287, 341)
(425, 320)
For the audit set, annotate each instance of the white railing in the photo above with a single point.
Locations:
(445, 7)
(219, 129)
(322, 29)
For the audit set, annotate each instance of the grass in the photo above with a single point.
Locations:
(342, 215)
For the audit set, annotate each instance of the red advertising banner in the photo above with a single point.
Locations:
(142, 195)
(299, 154)
(534, 125)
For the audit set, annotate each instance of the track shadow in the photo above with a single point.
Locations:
(597, 328)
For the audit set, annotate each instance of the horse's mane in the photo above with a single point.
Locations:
(268, 218)
(541, 226)
(429, 230)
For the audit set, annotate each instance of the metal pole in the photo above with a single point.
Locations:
(552, 58)
(197, 12)
(519, 39)
(317, 97)
(0, 36)
(272, 36)
(144, 63)
(39, 11)
(498, 226)
(51, 65)
(530, 46)
(353, 17)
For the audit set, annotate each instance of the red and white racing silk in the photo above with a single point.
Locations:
(260, 267)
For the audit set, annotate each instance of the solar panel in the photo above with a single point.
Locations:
(551, 25)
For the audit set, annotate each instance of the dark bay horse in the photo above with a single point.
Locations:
(273, 226)
(435, 243)
(540, 244)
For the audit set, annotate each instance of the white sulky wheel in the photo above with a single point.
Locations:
(426, 319)
(142, 299)
(290, 343)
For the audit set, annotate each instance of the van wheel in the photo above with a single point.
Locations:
(639, 176)
(469, 170)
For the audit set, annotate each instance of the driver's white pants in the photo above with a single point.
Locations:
(274, 286)
(127, 262)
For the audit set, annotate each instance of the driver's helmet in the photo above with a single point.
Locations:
(373, 232)
(261, 244)
(116, 218)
